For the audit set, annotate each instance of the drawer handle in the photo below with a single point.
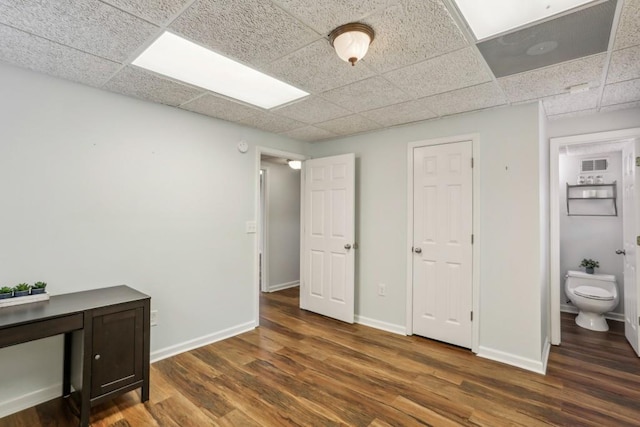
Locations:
(97, 357)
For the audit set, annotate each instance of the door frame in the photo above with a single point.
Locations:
(475, 224)
(262, 231)
(259, 151)
(554, 214)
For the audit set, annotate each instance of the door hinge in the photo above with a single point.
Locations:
(472, 239)
(637, 161)
(472, 162)
(472, 316)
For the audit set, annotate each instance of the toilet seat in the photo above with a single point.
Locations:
(593, 293)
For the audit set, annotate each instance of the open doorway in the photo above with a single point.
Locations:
(278, 222)
(592, 196)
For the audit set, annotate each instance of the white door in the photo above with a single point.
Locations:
(442, 258)
(327, 260)
(631, 229)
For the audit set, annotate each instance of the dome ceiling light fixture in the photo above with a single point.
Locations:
(351, 41)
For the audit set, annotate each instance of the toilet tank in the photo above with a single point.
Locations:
(579, 278)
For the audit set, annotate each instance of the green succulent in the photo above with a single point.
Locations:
(589, 263)
(21, 287)
(39, 285)
(5, 290)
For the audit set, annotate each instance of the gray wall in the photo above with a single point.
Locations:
(511, 223)
(283, 216)
(100, 189)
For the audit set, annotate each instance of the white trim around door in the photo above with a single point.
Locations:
(475, 140)
(554, 207)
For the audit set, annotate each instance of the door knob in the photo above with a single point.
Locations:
(97, 357)
(347, 246)
(621, 252)
(417, 250)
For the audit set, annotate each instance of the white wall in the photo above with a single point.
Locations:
(595, 237)
(283, 217)
(600, 122)
(510, 223)
(100, 189)
(545, 285)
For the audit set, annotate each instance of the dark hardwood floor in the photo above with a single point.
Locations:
(299, 368)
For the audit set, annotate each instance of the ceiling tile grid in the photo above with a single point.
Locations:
(251, 31)
(135, 82)
(38, 54)
(554, 79)
(221, 108)
(420, 65)
(441, 74)
(364, 95)
(312, 110)
(472, 98)
(87, 25)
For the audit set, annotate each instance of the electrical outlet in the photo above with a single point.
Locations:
(382, 289)
(250, 227)
(154, 317)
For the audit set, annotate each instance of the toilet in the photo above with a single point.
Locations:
(593, 295)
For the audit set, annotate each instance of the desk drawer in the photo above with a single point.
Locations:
(40, 329)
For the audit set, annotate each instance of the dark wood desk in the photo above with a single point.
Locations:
(106, 340)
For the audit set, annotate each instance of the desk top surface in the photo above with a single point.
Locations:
(60, 305)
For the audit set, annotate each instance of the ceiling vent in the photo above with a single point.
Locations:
(571, 36)
(594, 165)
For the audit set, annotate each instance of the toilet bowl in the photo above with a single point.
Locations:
(593, 295)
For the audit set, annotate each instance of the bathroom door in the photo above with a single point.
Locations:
(631, 229)
(328, 254)
(442, 242)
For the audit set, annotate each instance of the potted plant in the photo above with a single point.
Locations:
(21, 290)
(6, 292)
(38, 288)
(589, 265)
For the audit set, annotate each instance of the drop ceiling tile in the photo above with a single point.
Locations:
(442, 74)
(366, 95)
(253, 31)
(617, 107)
(620, 93)
(156, 11)
(553, 80)
(272, 122)
(310, 134)
(316, 68)
(411, 32)
(323, 16)
(38, 54)
(628, 33)
(573, 114)
(312, 110)
(135, 82)
(88, 25)
(568, 103)
(406, 112)
(625, 65)
(221, 108)
(485, 95)
(349, 125)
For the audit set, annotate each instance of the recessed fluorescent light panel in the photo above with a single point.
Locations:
(180, 59)
(490, 17)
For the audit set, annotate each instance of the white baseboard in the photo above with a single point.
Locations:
(28, 400)
(373, 323)
(568, 308)
(282, 286)
(536, 366)
(201, 341)
(53, 391)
